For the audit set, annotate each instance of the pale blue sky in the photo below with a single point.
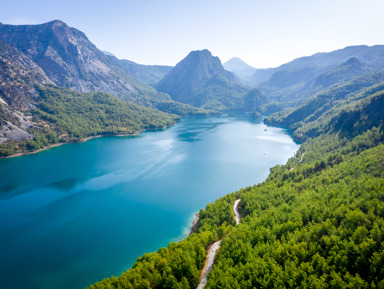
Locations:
(264, 33)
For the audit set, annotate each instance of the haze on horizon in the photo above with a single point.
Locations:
(262, 33)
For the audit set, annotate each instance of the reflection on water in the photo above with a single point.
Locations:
(78, 213)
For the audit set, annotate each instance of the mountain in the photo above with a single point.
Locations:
(346, 71)
(70, 60)
(201, 80)
(321, 112)
(149, 74)
(18, 93)
(35, 113)
(67, 57)
(240, 68)
(293, 82)
(39, 62)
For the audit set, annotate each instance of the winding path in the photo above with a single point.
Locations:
(213, 250)
(236, 210)
(208, 264)
(301, 160)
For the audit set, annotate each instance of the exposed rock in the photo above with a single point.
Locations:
(18, 77)
(70, 60)
(201, 80)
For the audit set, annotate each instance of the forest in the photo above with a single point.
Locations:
(316, 222)
(66, 116)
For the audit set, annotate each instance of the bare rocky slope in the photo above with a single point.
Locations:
(201, 80)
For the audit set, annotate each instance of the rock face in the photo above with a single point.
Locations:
(67, 57)
(201, 80)
(190, 74)
(18, 77)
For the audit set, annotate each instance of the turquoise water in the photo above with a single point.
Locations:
(78, 213)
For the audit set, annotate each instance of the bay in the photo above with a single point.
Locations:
(75, 214)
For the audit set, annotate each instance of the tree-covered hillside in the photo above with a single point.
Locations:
(316, 222)
(295, 81)
(67, 116)
(352, 108)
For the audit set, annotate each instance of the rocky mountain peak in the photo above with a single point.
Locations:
(191, 73)
(57, 22)
(67, 57)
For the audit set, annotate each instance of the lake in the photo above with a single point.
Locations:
(78, 213)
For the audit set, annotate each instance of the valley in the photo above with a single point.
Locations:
(88, 209)
(167, 142)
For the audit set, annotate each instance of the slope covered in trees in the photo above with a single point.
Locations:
(67, 116)
(319, 225)
(351, 108)
(316, 222)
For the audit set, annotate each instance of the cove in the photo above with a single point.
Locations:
(75, 214)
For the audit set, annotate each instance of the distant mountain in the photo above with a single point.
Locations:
(236, 63)
(149, 74)
(201, 80)
(343, 72)
(293, 82)
(240, 68)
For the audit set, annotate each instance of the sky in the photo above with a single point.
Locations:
(263, 33)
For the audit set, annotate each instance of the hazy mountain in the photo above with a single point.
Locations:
(201, 80)
(149, 74)
(343, 72)
(240, 68)
(293, 82)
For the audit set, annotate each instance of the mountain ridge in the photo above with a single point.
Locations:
(292, 82)
(201, 80)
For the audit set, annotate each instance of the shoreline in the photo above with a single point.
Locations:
(195, 224)
(80, 141)
(50, 147)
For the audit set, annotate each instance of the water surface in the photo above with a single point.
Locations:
(78, 213)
